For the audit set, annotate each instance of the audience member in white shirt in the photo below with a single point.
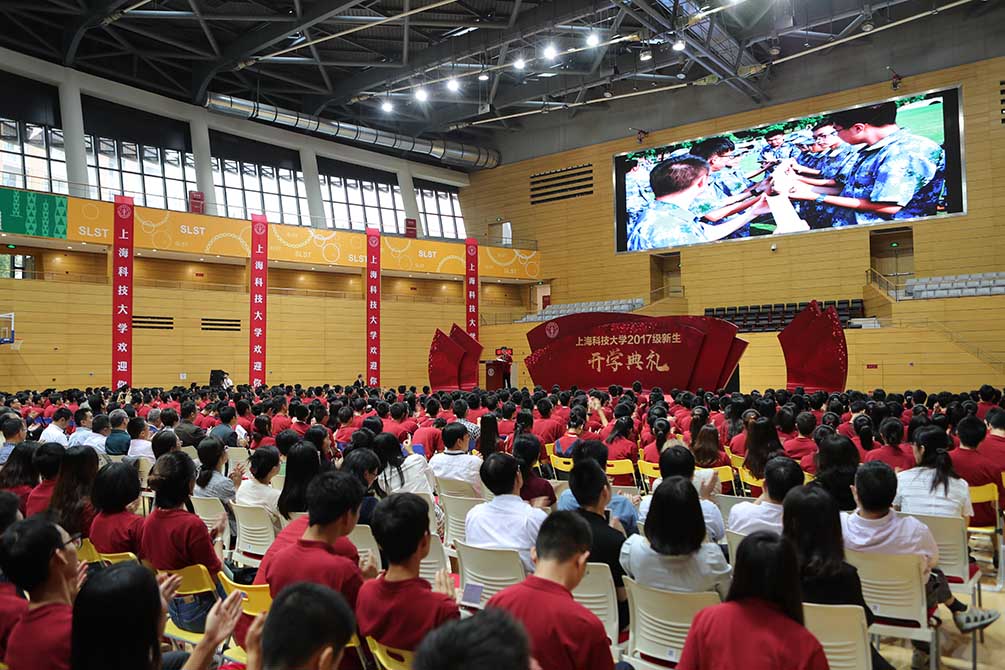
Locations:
(257, 491)
(101, 428)
(56, 431)
(781, 475)
(876, 527)
(401, 474)
(82, 421)
(678, 461)
(454, 462)
(507, 521)
(139, 439)
(932, 487)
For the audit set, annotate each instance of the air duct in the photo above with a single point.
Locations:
(452, 153)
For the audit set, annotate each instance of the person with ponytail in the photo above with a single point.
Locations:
(621, 447)
(523, 426)
(738, 443)
(864, 439)
(892, 451)
(489, 441)
(661, 433)
(699, 418)
(212, 483)
(933, 487)
(261, 433)
(573, 434)
(526, 449)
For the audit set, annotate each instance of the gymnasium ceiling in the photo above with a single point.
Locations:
(360, 61)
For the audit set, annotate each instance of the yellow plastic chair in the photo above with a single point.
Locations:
(808, 477)
(549, 448)
(736, 461)
(650, 473)
(623, 466)
(748, 480)
(725, 473)
(988, 493)
(561, 464)
(389, 658)
(257, 598)
(112, 559)
(87, 553)
(195, 579)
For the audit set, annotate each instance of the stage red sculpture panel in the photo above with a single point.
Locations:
(598, 349)
(815, 350)
(467, 371)
(444, 361)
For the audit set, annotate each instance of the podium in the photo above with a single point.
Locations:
(495, 374)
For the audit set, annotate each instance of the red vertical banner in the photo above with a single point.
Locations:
(122, 293)
(258, 299)
(471, 288)
(373, 306)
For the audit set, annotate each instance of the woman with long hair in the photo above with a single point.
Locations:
(524, 424)
(738, 443)
(762, 616)
(836, 463)
(116, 528)
(303, 463)
(573, 434)
(864, 439)
(261, 434)
(706, 449)
(621, 447)
(400, 473)
(257, 491)
(892, 450)
(212, 483)
(71, 506)
(933, 487)
(661, 434)
(127, 598)
(489, 441)
(699, 417)
(734, 419)
(527, 451)
(762, 443)
(811, 521)
(19, 475)
(365, 466)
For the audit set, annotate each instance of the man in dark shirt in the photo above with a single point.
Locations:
(189, 433)
(117, 442)
(589, 484)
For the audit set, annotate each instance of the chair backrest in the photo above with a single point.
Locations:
(237, 455)
(725, 503)
(257, 597)
(456, 511)
(436, 560)
(893, 584)
(988, 493)
(621, 466)
(389, 658)
(649, 472)
(87, 553)
(192, 452)
(456, 487)
(736, 460)
(255, 532)
(660, 620)
(950, 533)
(143, 467)
(596, 593)
(493, 569)
(431, 509)
(749, 480)
(733, 540)
(366, 543)
(112, 559)
(561, 464)
(194, 579)
(208, 509)
(843, 632)
(724, 472)
(278, 481)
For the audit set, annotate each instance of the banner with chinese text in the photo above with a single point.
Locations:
(122, 293)
(258, 297)
(471, 288)
(373, 307)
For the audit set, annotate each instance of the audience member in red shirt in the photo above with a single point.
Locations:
(116, 529)
(892, 451)
(280, 420)
(987, 401)
(398, 608)
(803, 444)
(70, 506)
(12, 605)
(40, 558)
(573, 434)
(661, 433)
(261, 433)
(430, 438)
(620, 447)
(762, 617)
(864, 437)
(845, 427)
(46, 459)
(301, 419)
(489, 639)
(506, 422)
(526, 449)
(19, 475)
(547, 429)
(993, 446)
(976, 468)
(563, 634)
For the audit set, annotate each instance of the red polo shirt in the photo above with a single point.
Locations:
(399, 614)
(547, 430)
(563, 634)
(983, 408)
(12, 609)
(247, 423)
(117, 533)
(846, 429)
(280, 422)
(623, 449)
(38, 499)
(41, 640)
(175, 538)
(899, 458)
(799, 446)
(316, 562)
(506, 427)
(22, 493)
(759, 635)
(299, 427)
(978, 470)
(738, 445)
(993, 447)
(431, 440)
(396, 429)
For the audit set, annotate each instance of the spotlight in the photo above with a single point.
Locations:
(646, 55)
(867, 24)
(681, 75)
(387, 106)
(592, 40)
(774, 48)
(520, 63)
(608, 93)
(550, 52)
(453, 85)
(484, 76)
(679, 45)
(421, 95)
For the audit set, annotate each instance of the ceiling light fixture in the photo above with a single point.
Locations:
(484, 76)
(520, 63)
(608, 93)
(592, 40)
(867, 24)
(386, 106)
(453, 85)
(646, 55)
(681, 75)
(550, 52)
(679, 45)
(774, 48)
(421, 95)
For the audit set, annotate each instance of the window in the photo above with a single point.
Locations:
(32, 156)
(16, 266)
(354, 204)
(441, 213)
(151, 176)
(243, 189)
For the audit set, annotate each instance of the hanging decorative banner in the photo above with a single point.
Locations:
(373, 306)
(122, 293)
(471, 288)
(258, 297)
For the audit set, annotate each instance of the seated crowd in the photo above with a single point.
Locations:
(122, 474)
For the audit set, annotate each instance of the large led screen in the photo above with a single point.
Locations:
(896, 160)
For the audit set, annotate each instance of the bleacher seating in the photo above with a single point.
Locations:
(765, 318)
(555, 311)
(955, 286)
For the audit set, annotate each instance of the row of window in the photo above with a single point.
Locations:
(32, 156)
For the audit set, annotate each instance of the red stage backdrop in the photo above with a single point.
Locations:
(122, 293)
(471, 287)
(815, 350)
(599, 349)
(373, 306)
(259, 299)
(467, 370)
(445, 357)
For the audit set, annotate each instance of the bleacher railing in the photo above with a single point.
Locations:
(893, 285)
(665, 292)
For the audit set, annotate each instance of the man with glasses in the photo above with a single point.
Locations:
(40, 558)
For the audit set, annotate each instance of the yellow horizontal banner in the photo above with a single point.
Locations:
(165, 230)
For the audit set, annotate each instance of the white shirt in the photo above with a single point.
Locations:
(141, 448)
(458, 465)
(747, 517)
(254, 493)
(714, 527)
(80, 436)
(915, 494)
(418, 477)
(505, 522)
(893, 534)
(54, 433)
(704, 570)
(96, 441)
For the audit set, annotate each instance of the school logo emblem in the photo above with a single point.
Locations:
(373, 241)
(472, 250)
(491, 372)
(551, 330)
(260, 228)
(124, 211)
